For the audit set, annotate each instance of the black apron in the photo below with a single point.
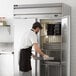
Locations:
(25, 60)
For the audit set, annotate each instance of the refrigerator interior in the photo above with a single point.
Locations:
(53, 42)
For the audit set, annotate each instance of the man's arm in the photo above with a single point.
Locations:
(38, 50)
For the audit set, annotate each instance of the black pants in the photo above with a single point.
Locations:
(25, 59)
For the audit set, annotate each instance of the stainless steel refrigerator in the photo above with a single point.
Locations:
(54, 38)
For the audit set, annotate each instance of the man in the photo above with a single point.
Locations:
(29, 40)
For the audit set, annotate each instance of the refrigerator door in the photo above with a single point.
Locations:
(66, 46)
(21, 26)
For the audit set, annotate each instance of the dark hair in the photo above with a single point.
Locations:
(36, 24)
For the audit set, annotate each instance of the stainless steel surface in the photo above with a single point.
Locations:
(37, 5)
(55, 46)
(38, 11)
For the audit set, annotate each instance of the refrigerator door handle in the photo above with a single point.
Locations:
(4, 53)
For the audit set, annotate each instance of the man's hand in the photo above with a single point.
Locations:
(45, 57)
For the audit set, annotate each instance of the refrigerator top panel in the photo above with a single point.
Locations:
(41, 11)
(37, 5)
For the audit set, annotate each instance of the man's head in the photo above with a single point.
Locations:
(37, 27)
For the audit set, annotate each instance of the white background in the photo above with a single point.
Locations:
(6, 9)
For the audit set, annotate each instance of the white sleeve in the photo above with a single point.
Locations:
(33, 39)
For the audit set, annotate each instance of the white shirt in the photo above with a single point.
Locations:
(28, 39)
